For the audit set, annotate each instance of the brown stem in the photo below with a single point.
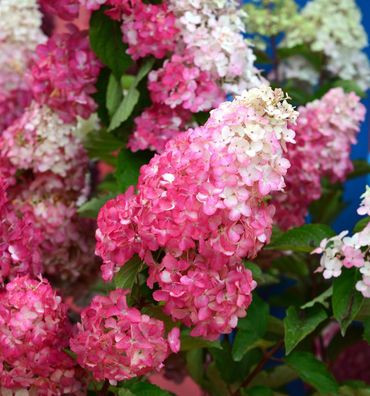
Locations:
(266, 357)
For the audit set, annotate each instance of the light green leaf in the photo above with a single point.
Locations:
(90, 209)
(298, 325)
(145, 69)
(114, 94)
(312, 371)
(302, 239)
(321, 299)
(346, 300)
(106, 42)
(125, 392)
(275, 378)
(126, 276)
(147, 389)
(360, 225)
(189, 343)
(125, 109)
(100, 145)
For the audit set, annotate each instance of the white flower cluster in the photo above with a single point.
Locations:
(343, 251)
(212, 33)
(341, 37)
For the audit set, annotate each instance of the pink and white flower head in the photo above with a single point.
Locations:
(156, 126)
(364, 209)
(65, 9)
(20, 241)
(64, 73)
(116, 342)
(325, 131)
(180, 83)
(149, 29)
(34, 330)
(205, 197)
(41, 141)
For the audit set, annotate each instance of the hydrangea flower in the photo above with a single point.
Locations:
(116, 342)
(42, 142)
(327, 127)
(156, 126)
(364, 208)
(149, 29)
(180, 83)
(65, 9)
(204, 200)
(34, 330)
(64, 73)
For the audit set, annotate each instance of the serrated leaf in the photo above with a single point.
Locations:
(298, 325)
(90, 209)
(320, 299)
(114, 94)
(346, 300)
(106, 42)
(126, 276)
(302, 239)
(312, 371)
(251, 328)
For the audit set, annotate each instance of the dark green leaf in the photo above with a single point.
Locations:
(215, 385)
(106, 42)
(251, 328)
(257, 391)
(189, 343)
(346, 300)
(125, 392)
(360, 225)
(114, 94)
(367, 330)
(90, 209)
(298, 325)
(275, 378)
(302, 239)
(128, 168)
(147, 389)
(360, 168)
(292, 265)
(312, 371)
(195, 364)
(100, 145)
(126, 276)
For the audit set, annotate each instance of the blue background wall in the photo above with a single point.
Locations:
(354, 188)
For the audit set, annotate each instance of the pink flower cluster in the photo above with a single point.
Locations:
(149, 29)
(325, 131)
(156, 126)
(117, 342)
(19, 247)
(343, 251)
(181, 83)
(64, 74)
(65, 9)
(203, 202)
(34, 330)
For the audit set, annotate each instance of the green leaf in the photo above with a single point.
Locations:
(275, 378)
(257, 391)
(312, 371)
(314, 58)
(128, 168)
(349, 86)
(189, 343)
(298, 325)
(302, 239)
(292, 265)
(214, 384)
(131, 99)
(366, 335)
(100, 145)
(346, 300)
(125, 392)
(125, 109)
(126, 276)
(321, 299)
(147, 389)
(195, 364)
(360, 225)
(106, 42)
(251, 328)
(114, 94)
(360, 168)
(90, 209)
